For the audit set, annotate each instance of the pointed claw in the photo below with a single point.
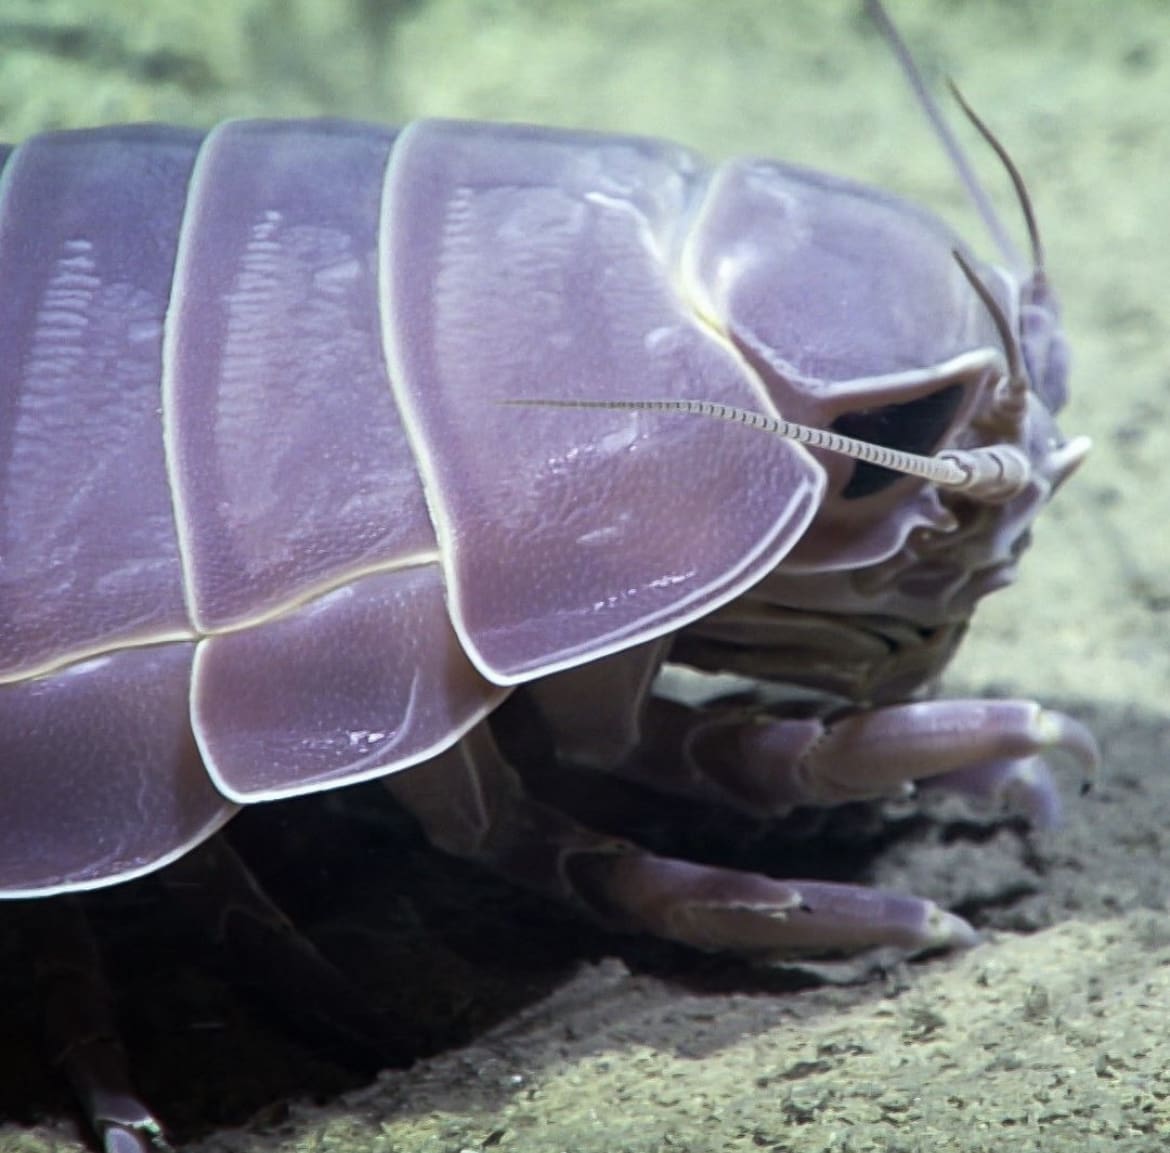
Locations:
(712, 908)
(945, 930)
(1022, 786)
(1029, 789)
(1061, 733)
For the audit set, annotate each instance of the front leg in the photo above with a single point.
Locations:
(766, 765)
(472, 803)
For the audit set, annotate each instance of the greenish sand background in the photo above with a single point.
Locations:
(1051, 1039)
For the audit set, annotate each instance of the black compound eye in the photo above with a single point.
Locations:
(917, 426)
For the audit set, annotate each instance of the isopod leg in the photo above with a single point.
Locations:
(80, 1030)
(767, 766)
(473, 804)
(219, 892)
(1022, 785)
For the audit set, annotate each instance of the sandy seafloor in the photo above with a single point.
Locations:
(1052, 1035)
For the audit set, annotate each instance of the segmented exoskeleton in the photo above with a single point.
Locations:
(320, 438)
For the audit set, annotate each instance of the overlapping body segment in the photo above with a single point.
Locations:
(318, 439)
(260, 406)
(200, 437)
(528, 264)
(88, 229)
(258, 378)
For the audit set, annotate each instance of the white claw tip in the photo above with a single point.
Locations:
(947, 931)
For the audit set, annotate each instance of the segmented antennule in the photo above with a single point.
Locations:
(991, 475)
(1014, 175)
(1011, 396)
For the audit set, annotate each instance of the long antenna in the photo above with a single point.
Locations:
(1014, 175)
(992, 474)
(954, 150)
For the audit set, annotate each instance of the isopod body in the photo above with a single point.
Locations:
(260, 490)
(319, 438)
